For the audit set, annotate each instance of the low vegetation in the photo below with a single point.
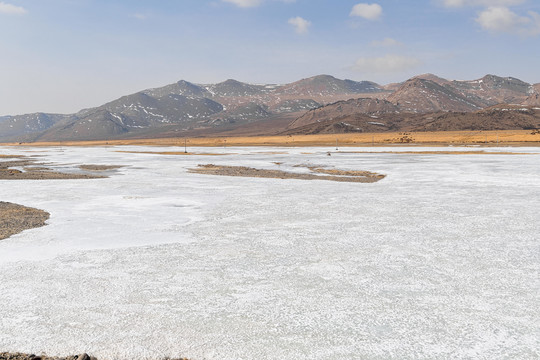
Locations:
(332, 175)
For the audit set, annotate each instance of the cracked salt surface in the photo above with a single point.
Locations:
(438, 260)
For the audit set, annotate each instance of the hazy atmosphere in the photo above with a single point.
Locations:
(64, 55)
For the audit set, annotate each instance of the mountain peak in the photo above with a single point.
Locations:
(230, 82)
(432, 77)
(420, 95)
(325, 85)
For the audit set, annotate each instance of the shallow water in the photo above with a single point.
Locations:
(438, 260)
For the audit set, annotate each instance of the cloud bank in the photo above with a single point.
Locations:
(6, 8)
(244, 3)
(502, 19)
(252, 3)
(462, 3)
(497, 17)
(367, 11)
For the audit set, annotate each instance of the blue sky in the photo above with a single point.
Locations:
(64, 55)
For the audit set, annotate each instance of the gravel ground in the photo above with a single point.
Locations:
(21, 356)
(10, 170)
(333, 175)
(16, 218)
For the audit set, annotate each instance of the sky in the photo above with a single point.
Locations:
(60, 56)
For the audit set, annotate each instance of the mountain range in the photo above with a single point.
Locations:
(314, 105)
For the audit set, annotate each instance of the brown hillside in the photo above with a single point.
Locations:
(367, 106)
(502, 117)
(422, 96)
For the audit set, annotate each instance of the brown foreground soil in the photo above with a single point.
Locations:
(332, 175)
(91, 167)
(17, 218)
(20, 356)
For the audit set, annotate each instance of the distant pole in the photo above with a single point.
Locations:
(497, 138)
(372, 140)
(185, 146)
(336, 144)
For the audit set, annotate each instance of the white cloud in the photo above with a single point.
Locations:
(6, 8)
(367, 11)
(252, 3)
(462, 3)
(386, 64)
(301, 26)
(502, 19)
(386, 42)
(245, 3)
(497, 17)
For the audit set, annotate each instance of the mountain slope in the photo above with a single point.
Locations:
(420, 96)
(534, 98)
(500, 117)
(495, 89)
(234, 88)
(324, 85)
(182, 87)
(23, 127)
(343, 109)
(319, 103)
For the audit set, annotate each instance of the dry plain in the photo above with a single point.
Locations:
(438, 259)
(443, 138)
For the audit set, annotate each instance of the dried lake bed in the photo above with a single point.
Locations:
(439, 259)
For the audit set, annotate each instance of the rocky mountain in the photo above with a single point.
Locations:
(500, 117)
(22, 127)
(324, 85)
(419, 95)
(534, 98)
(245, 113)
(432, 77)
(320, 103)
(494, 90)
(338, 111)
(233, 88)
(184, 106)
(434, 96)
(294, 105)
(181, 87)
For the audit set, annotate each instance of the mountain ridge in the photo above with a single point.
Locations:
(184, 106)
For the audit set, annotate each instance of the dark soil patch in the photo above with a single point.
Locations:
(24, 168)
(21, 356)
(99, 167)
(17, 218)
(332, 175)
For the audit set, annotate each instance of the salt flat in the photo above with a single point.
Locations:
(441, 259)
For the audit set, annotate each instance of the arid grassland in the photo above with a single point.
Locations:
(487, 138)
